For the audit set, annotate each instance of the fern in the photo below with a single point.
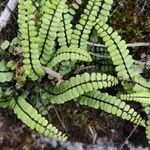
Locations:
(65, 29)
(47, 34)
(31, 118)
(71, 53)
(83, 28)
(110, 104)
(141, 97)
(79, 85)
(28, 35)
(4, 103)
(54, 37)
(119, 54)
(5, 74)
(148, 129)
(105, 10)
(74, 6)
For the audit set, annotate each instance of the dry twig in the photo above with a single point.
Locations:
(128, 137)
(128, 45)
(54, 74)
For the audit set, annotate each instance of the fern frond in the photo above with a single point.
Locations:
(104, 68)
(100, 55)
(141, 84)
(5, 98)
(105, 10)
(141, 97)
(74, 6)
(111, 104)
(119, 54)
(47, 34)
(69, 53)
(28, 33)
(148, 129)
(5, 74)
(80, 84)
(4, 103)
(28, 115)
(81, 33)
(42, 3)
(65, 67)
(65, 29)
(117, 49)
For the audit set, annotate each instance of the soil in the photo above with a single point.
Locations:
(96, 129)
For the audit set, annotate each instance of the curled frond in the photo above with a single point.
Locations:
(69, 53)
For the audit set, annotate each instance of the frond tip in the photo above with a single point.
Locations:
(141, 97)
(27, 114)
(111, 104)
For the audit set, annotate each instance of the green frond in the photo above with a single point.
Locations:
(74, 6)
(41, 7)
(41, 103)
(28, 115)
(80, 84)
(141, 97)
(71, 54)
(141, 84)
(4, 103)
(5, 98)
(65, 67)
(99, 51)
(148, 129)
(42, 110)
(1, 92)
(117, 49)
(104, 68)
(110, 104)
(5, 74)
(119, 53)
(94, 66)
(105, 10)
(48, 32)
(100, 55)
(28, 34)
(82, 30)
(65, 29)
(55, 37)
